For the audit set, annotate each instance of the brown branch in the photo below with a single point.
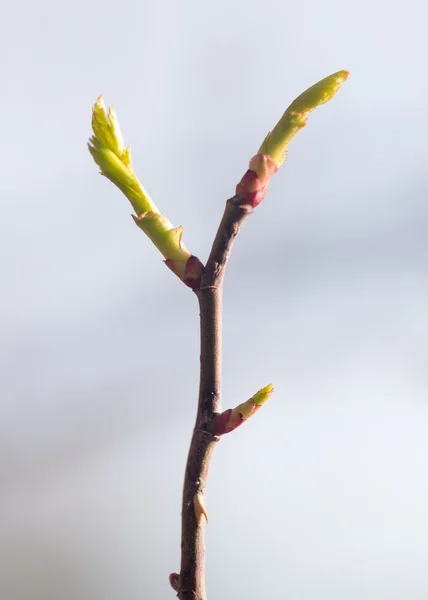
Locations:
(210, 293)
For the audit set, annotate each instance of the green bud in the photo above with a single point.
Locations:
(232, 418)
(263, 395)
(109, 152)
(276, 142)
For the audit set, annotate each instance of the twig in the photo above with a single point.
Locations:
(210, 293)
(114, 159)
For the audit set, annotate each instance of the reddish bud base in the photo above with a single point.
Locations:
(264, 166)
(227, 421)
(174, 580)
(192, 271)
(253, 186)
(249, 189)
(220, 422)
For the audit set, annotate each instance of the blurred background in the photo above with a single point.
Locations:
(324, 494)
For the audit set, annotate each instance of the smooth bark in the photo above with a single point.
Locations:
(210, 294)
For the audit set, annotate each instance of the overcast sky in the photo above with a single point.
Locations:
(324, 494)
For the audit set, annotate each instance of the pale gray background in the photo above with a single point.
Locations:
(324, 495)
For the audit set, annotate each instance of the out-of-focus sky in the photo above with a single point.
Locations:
(324, 494)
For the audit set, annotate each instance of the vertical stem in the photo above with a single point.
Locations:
(192, 572)
(192, 576)
(210, 307)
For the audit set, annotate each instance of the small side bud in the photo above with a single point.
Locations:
(234, 417)
(199, 508)
(263, 395)
(174, 580)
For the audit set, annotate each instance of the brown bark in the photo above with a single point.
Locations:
(210, 293)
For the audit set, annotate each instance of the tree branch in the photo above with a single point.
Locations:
(210, 294)
(114, 159)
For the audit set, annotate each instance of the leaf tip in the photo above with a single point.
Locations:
(100, 101)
